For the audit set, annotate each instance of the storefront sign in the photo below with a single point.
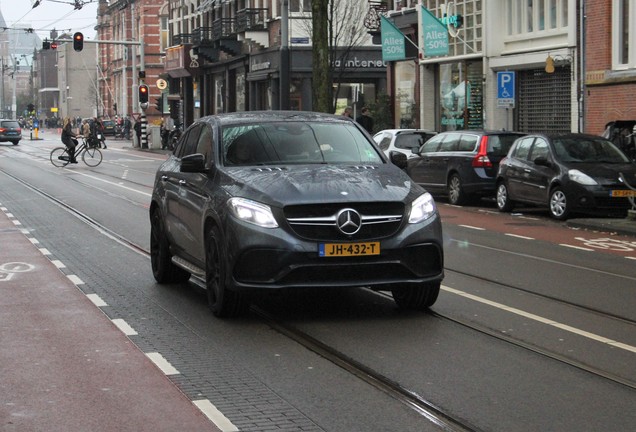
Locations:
(434, 34)
(393, 46)
(356, 63)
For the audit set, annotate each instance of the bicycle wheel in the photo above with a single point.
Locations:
(60, 157)
(92, 156)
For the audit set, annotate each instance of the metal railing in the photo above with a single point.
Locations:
(251, 19)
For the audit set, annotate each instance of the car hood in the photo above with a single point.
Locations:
(310, 184)
(607, 173)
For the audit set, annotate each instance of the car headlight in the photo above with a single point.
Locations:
(252, 212)
(422, 208)
(581, 178)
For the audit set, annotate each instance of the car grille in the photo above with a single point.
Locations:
(319, 222)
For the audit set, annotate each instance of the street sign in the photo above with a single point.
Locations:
(506, 89)
(162, 84)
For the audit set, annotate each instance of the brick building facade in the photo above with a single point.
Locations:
(121, 65)
(610, 82)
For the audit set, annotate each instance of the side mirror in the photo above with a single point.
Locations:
(194, 163)
(542, 161)
(398, 159)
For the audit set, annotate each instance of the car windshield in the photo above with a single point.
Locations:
(296, 143)
(588, 149)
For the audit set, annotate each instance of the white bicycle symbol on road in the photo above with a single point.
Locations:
(609, 244)
(7, 270)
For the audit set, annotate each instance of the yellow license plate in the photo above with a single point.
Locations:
(623, 193)
(348, 249)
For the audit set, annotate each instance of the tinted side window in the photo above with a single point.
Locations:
(522, 150)
(451, 143)
(191, 140)
(181, 145)
(540, 149)
(204, 145)
(468, 143)
(432, 145)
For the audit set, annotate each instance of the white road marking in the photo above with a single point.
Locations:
(541, 319)
(576, 247)
(97, 300)
(75, 279)
(162, 363)
(59, 264)
(215, 415)
(519, 236)
(473, 227)
(124, 327)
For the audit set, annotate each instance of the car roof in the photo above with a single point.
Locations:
(250, 117)
(486, 132)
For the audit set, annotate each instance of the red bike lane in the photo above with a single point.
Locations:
(64, 364)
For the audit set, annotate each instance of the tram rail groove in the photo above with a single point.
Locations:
(427, 409)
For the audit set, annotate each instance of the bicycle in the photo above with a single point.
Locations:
(90, 155)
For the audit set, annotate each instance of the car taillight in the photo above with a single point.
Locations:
(3, 130)
(481, 160)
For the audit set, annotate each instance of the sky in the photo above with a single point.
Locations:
(51, 14)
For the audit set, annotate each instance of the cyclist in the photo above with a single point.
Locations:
(68, 138)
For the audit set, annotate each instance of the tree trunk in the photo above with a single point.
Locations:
(322, 92)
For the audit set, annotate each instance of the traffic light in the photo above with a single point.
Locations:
(53, 45)
(78, 41)
(46, 45)
(159, 104)
(143, 95)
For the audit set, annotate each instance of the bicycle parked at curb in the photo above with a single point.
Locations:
(90, 155)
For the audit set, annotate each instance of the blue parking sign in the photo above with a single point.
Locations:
(505, 88)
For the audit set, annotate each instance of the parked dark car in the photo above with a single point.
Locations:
(405, 141)
(272, 200)
(461, 164)
(566, 173)
(109, 127)
(10, 130)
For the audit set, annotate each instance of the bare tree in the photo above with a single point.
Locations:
(337, 29)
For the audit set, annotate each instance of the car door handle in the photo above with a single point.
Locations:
(527, 170)
(164, 178)
(182, 182)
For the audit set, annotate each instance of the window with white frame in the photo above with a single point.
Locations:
(623, 31)
(299, 5)
(534, 17)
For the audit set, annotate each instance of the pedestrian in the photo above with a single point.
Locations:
(348, 112)
(86, 129)
(137, 128)
(365, 120)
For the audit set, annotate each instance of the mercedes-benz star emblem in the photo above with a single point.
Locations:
(348, 221)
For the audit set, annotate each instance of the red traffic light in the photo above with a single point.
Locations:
(78, 41)
(53, 45)
(143, 93)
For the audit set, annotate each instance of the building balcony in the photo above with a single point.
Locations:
(182, 39)
(251, 20)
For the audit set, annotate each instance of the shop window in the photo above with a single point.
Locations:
(461, 100)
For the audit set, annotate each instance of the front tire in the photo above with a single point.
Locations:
(56, 154)
(504, 203)
(416, 297)
(223, 303)
(163, 269)
(558, 204)
(92, 156)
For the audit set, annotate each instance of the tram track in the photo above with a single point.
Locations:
(427, 409)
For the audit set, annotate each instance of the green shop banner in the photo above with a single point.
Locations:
(393, 46)
(435, 34)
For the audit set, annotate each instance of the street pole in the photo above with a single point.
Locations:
(142, 73)
(283, 85)
(14, 105)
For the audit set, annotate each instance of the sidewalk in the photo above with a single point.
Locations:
(64, 366)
